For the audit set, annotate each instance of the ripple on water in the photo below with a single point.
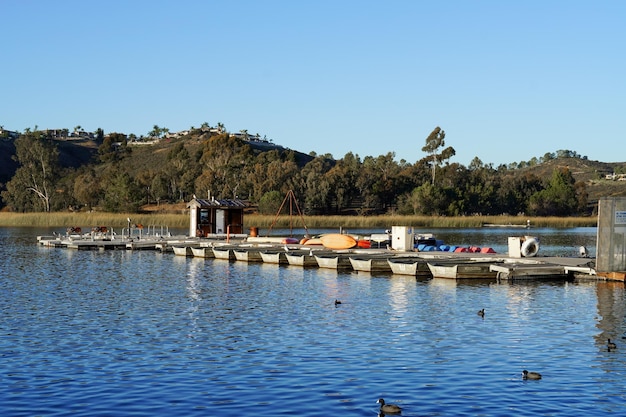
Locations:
(91, 333)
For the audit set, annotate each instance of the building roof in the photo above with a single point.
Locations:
(217, 203)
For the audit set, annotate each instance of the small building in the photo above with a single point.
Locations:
(215, 216)
(611, 241)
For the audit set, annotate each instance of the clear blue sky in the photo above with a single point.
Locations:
(506, 80)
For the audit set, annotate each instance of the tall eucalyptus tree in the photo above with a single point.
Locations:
(434, 147)
(33, 184)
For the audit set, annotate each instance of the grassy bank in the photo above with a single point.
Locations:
(119, 220)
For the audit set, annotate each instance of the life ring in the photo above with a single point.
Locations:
(530, 247)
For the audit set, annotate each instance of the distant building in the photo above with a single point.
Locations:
(615, 177)
(8, 134)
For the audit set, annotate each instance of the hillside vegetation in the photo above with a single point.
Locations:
(112, 175)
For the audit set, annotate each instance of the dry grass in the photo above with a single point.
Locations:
(88, 220)
(386, 221)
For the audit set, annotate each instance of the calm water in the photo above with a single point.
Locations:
(144, 333)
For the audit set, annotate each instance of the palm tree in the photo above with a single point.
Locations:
(155, 132)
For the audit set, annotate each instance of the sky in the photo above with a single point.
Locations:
(506, 80)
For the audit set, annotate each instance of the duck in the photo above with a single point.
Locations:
(531, 375)
(388, 408)
(610, 344)
(481, 313)
(337, 302)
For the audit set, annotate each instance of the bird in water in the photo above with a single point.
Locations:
(388, 408)
(481, 313)
(531, 375)
(610, 345)
(337, 302)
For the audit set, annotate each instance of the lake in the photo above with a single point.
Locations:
(142, 333)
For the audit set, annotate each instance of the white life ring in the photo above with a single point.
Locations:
(530, 247)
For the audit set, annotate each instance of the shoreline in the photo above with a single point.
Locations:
(181, 220)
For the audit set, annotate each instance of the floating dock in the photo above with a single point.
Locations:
(450, 265)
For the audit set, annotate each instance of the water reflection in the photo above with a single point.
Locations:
(144, 333)
(611, 310)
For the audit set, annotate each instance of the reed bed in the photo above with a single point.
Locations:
(87, 220)
(386, 221)
(181, 220)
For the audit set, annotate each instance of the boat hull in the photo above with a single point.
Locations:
(468, 270)
(273, 257)
(412, 267)
(333, 262)
(223, 253)
(338, 241)
(370, 264)
(202, 252)
(182, 250)
(301, 259)
(247, 255)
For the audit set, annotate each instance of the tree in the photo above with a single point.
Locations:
(114, 147)
(87, 189)
(99, 135)
(223, 162)
(558, 198)
(157, 132)
(434, 147)
(122, 194)
(342, 178)
(181, 172)
(32, 186)
(317, 197)
(159, 189)
(425, 199)
(270, 202)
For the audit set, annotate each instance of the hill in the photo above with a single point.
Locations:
(592, 173)
(74, 153)
(7, 164)
(78, 152)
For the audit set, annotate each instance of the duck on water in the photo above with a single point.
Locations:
(388, 408)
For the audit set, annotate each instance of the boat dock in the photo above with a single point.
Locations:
(384, 261)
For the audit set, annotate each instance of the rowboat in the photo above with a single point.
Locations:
(409, 266)
(301, 258)
(182, 250)
(247, 255)
(370, 263)
(223, 253)
(462, 270)
(333, 261)
(202, 252)
(273, 257)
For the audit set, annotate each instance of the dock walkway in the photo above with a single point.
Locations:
(452, 265)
